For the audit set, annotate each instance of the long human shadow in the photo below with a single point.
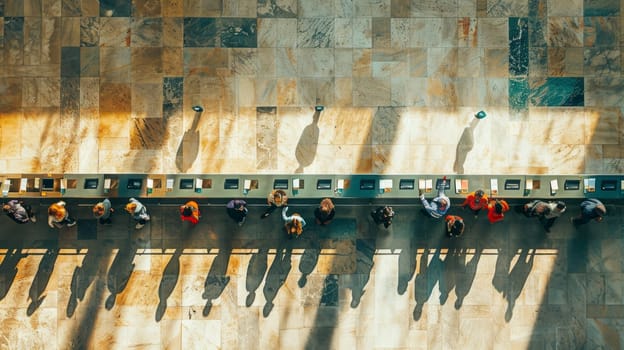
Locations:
(466, 276)
(8, 269)
(407, 266)
(189, 146)
(217, 278)
(40, 282)
(464, 146)
(308, 143)
(168, 282)
(309, 259)
(365, 251)
(120, 271)
(276, 276)
(450, 270)
(429, 272)
(255, 274)
(83, 276)
(517, 278)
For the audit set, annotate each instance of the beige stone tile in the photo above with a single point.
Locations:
(70, 34)
(493, 32)
(602, 126)
(114, 32)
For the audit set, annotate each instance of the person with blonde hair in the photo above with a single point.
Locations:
(138, 212)
(294, 224)
(103, 212)
(325, 212)
(190, 212)
(276, 199)
(59, 216)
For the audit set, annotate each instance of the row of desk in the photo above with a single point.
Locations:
(307, 186)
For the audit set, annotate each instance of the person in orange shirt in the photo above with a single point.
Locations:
(190, 212)
(497, 209)
(454, 226)
(476, 201)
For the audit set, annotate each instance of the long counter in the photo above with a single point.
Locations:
(307, 186)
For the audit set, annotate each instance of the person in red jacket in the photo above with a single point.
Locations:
(476, 201)
(497, 209)
(190, 212)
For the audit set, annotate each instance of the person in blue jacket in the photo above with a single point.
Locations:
(591, 209)
(438, 206)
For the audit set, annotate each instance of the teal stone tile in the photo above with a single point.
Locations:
(115, 8)
(200, 32)
(601, 31)
(557, 92)
(274, 9)
(173, 90)
(601, 7)
(70, 61)
(518, 46)
(518, 93)
(238, 32)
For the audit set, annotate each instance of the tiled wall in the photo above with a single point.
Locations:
(150, 60)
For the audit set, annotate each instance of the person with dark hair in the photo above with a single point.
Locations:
(237, 210)
(591, 209)
(476, 201)
(190, 212)
(554, 210)
(276, 199)
(454, 226)
(383, 215)
(497, 209)
(103, 211)
(547, 212)
(19, 212)
(325, 212)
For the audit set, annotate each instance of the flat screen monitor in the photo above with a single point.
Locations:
(187, 184)
(367, 184)
(406, 184)
(231, 184)
(91, 184)
(47, 184)
(324, 184)
(280, 184)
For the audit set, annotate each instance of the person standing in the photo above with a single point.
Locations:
(138, 212)
(383, 215)
(591, 209)
(58, 215)
(497, 209)
(439, 205)
(325, 212)
(190, 212)
(294, 224)
(476, 201)
(276, 199)
(19, 212)
(103, 212)
(237, 210)
(454, 226)
(555, 210)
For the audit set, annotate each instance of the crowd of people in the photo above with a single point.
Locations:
(546, 211)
